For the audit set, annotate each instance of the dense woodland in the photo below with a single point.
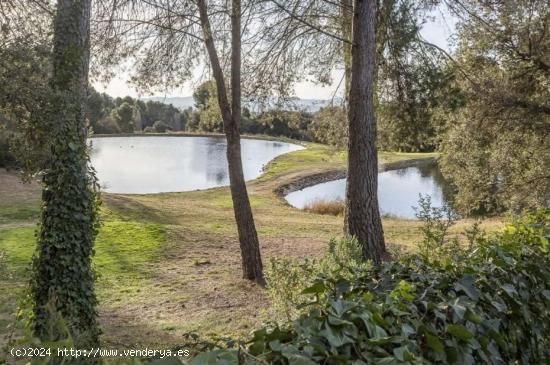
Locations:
(484, 106)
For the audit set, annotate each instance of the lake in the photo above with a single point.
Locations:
(398, 190)
(158, 164)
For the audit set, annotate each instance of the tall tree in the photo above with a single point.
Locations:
(231, 115)
(170, 36)
(63, 276)
(363, 215)
(496, 150)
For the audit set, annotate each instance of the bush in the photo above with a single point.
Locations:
(330, 126)
(107, 125)
(486, 302)
(7, 159)
(161, 127)
(288, 278)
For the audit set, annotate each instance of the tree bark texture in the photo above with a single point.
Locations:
(363, 216)
(346, 13)
(231, 115)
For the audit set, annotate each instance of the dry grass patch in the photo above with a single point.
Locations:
(326, 207)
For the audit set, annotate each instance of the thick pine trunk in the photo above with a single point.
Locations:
(62, 274)
(231, 115)
(363, 215)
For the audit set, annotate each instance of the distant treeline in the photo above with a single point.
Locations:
(108, 115)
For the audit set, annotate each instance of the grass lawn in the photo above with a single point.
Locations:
(170, 263)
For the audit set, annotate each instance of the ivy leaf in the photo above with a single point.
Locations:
(337, 321)
(472, 317)
(402, 353)
(295, 359)
(166, 361)
(216, 357)
(73, 146)
(459, 332)
(434, 343)
(466, 284)
(316, 288)
(510, 290)
(335, 338)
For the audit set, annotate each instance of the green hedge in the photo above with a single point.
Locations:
(487, 302)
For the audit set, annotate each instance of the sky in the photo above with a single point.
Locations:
(437, 30)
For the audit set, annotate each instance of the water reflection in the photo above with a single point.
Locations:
(398, 190)
(139, 165)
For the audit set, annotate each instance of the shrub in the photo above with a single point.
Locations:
(7, 159)
(329, 126)
(107, 125)
(486, 302)
(161, 127)
(287, 279)
(327, 207)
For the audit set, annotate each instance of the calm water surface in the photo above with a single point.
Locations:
(398, 190)
(140, 165)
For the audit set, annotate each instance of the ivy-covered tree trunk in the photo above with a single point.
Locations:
(62, 274)
(363, 216)
(231, 115)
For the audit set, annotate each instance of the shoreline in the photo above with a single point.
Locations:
(331, 175)
(261, 137)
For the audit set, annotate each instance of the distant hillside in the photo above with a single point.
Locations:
(309, 105)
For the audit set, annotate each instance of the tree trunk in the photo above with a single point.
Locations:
(231, 115)
(346, 9)
(346, 14)
(363, 215)
(62, 274)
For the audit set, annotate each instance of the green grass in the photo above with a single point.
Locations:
(120, 247)
(169, 263)
(124, 252)
(18, 213)
(314, 156)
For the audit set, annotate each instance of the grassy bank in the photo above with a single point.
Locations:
(169, 263)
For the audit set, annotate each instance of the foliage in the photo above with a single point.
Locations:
(124, 117)
(24, 71)
(157, 127)
(6, 157)
(108, 115)
(412, 109)
(436, 243)
(274, 122)
(329, 126)
(414, 82)
(496, 149)
(485, 303)
(287, 278)
(280, 123)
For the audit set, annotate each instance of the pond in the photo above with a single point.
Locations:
(398, 190)
(157, 164)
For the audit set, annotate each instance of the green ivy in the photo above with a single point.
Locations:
(489, 302)
(62, 265)
(68, 227)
